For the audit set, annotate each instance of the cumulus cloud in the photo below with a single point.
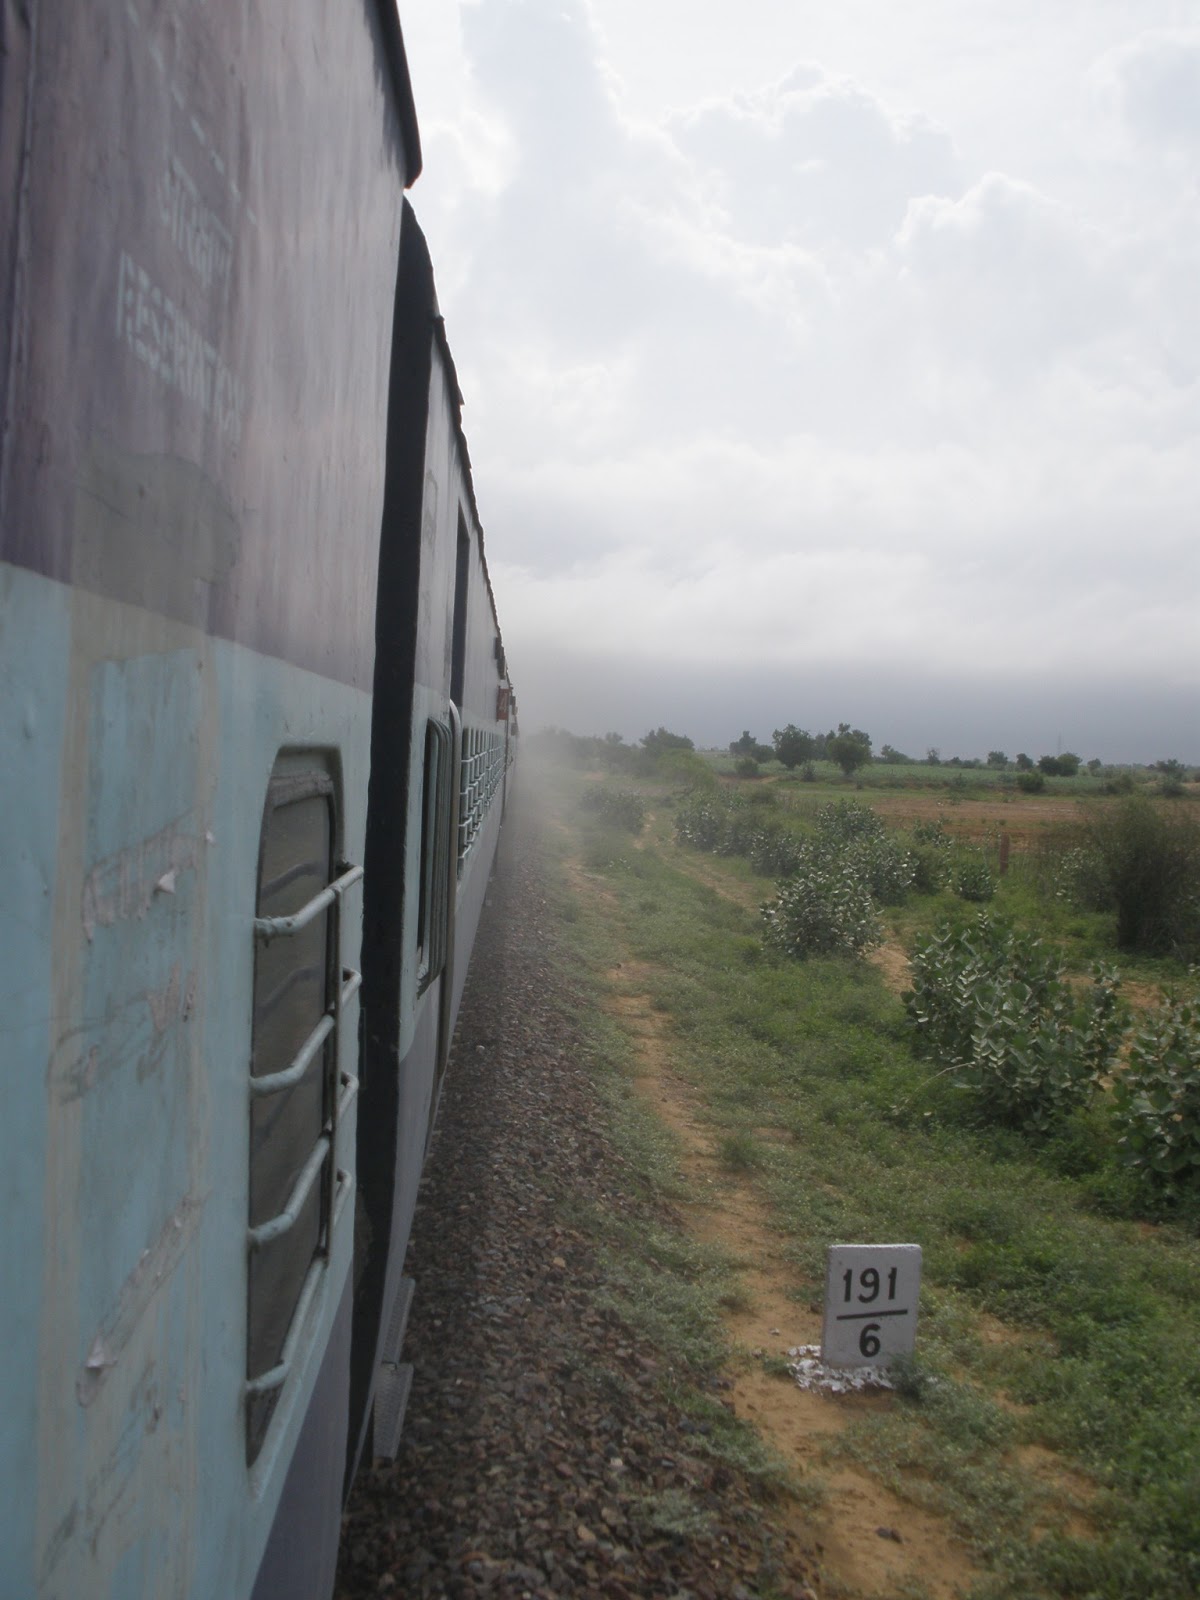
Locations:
(1152, 83)
(816, 160)
(781, 379)
(1010, 279)
(571, 218)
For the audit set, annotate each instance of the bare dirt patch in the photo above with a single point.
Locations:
(1070, 1494)
(1025, 818)
(892, 960)
(1140, 995)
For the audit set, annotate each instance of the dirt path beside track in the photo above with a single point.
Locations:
(869, 1543)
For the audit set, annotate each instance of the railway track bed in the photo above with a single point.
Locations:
(542, 1453)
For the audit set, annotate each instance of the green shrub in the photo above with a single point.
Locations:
(950, 965)
(850, 828)
(844, 820)
(826, 909)
(726, 827)
(618, 808)
(827, 906)
(1156, 1100)
(1065, 765)
(701, 822)
(1073, 875)
(1173, 776)
(932, 833)
(1031, 782)
(685, 767)
(930, 868)
(1030, 1068)
(776, 853)
(929, 847)
(761, 796)
(992, 1004)
(1145, 864)
(890, 869)
(850, 846)
(742, 828)
(973, 878)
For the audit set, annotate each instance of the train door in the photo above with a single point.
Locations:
(458, 667)
(393, 813)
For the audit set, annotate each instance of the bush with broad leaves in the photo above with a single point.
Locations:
(972, 877)
(619, 808)
(993, 1005)
(1157, 1099)
(825, 909)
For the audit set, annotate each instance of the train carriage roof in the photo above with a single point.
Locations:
(397, 59)
(444, 351)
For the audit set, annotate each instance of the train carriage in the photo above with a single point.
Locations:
(255, 734)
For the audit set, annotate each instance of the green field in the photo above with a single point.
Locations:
(809, 1082)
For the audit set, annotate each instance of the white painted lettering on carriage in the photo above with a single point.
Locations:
(174, 350)
(871, 1294)
(195, 231)
(204, 141)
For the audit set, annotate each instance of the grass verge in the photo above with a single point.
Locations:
(1054, 1416)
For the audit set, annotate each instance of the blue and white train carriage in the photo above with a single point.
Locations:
(255, 734)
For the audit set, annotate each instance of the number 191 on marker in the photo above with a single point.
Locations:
(871, 1293)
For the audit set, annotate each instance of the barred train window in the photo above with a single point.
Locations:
(293, 1073)
(433, 911)
(482, 773)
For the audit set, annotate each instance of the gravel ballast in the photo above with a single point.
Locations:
(543, 1453)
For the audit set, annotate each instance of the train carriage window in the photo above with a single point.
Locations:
(433, 911)
(482, 772)
(298, 990)
(462, 568)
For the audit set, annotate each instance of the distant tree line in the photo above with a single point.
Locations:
(658, 750)
(846, 747)
(849, 748)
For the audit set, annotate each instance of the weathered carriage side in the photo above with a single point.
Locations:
(220, 603)
(443, 711)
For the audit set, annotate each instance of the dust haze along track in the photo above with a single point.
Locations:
(540, 1451)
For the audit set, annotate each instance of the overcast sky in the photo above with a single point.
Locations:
(830, 362)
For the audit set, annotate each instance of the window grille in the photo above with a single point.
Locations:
(482, 774)
(433, 915)
(296, 1095)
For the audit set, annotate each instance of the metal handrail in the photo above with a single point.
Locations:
(275, 1377)
(286, 1219)
(341, 1193)
(324, 1151)
(268, 928)
(277, 1082)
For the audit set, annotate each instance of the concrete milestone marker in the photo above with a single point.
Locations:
(870, 1303)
